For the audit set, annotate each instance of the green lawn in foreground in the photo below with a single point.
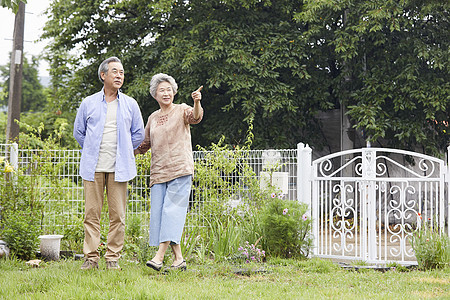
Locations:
(281, 279)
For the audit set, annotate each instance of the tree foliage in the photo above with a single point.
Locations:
(273, 65)
(33, 97)
(393, 58)
(12, 4)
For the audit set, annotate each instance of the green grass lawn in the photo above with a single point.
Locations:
(278, 279)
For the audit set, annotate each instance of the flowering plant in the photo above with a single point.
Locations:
(5, 166)
(251, 253)
(286, 228)
(279, 195)
(5, 180)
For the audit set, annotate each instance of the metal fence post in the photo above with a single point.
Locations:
(304, 180)
(304, 174)
(369, 207)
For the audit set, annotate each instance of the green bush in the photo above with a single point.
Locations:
(21, 231)
(144, 251)
(286, 228)
(431, 246)
(74, 236)
(133, 227)
(136, 238)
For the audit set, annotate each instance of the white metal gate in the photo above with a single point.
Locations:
(366, 203)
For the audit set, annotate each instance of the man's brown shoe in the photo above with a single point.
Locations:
(112, 265)
(89, 265)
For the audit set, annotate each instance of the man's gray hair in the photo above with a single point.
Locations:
(161, 77)
(103, 68)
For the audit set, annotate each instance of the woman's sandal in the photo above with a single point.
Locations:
(181, 266)
(155, 266)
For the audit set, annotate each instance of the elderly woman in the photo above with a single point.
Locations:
(168, 135)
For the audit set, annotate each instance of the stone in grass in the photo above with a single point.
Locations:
(34, 263)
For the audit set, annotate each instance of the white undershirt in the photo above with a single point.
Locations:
(107, 155)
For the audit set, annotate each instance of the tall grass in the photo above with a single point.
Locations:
(431, 246)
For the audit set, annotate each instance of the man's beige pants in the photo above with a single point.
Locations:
(116, 195)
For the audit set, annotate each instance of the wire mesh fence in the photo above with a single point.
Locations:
(52, 178)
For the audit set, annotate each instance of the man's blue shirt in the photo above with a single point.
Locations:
(88, 131)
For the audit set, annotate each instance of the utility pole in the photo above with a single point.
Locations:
(15, 76)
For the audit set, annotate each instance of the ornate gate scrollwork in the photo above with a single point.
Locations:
(367, 203)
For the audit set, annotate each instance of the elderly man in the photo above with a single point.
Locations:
(108, 127)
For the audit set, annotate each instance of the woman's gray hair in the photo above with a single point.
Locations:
(103, 68)
(161, 77)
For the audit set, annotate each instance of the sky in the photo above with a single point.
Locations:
(34, 23)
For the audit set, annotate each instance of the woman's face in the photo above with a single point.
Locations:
(164, 94)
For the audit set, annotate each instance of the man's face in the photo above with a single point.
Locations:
(114, 78)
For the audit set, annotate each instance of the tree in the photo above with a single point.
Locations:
(248, 54)
(273, 65)
(391, 63)
(33, 98)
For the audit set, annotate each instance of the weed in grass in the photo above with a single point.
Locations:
(224, 237)
(279, 261)
(359, 263)
(190, 241)
(316, 265)
(397, 267)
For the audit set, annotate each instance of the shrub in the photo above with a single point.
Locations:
(286, 228)
(21, 231)
(136, 246)
(133, 227)
(74, 236)
(19, 215)
(431, 246)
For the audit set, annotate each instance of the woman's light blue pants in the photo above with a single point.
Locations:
(169, 203)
